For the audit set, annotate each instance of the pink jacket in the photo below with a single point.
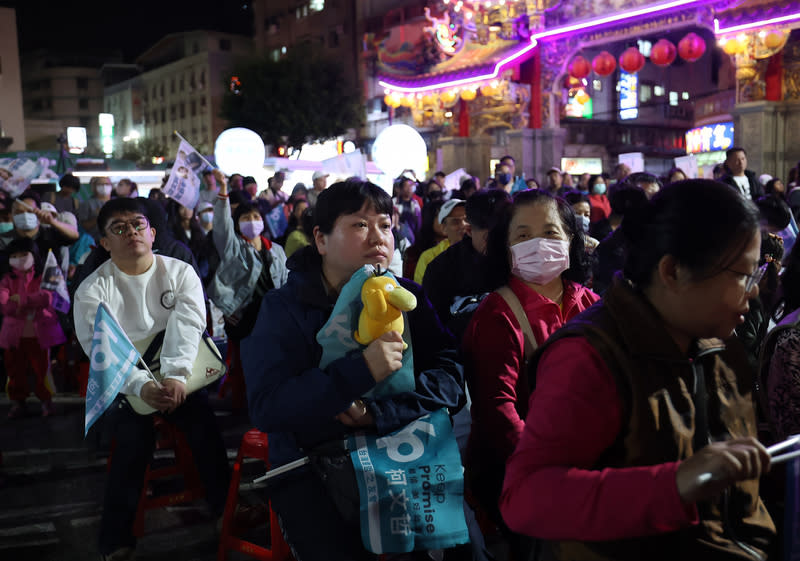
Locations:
(492, 347)
(32, 299)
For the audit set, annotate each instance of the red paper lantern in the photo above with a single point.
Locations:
(579, 67)
(691, 47)
(663, 53)
(631, 60)
(604, 63)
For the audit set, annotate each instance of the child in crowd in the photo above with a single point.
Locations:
(30, 327)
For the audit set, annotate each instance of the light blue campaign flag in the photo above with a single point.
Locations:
(411, 486)
(112, 359)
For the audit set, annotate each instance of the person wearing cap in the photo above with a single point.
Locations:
(205, 215)
(319, 181)
(452, 217)
(65, 199)
(29, 218)
(457, 280)
(555, 180)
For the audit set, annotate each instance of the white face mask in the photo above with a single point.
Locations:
(103, 190)
(251, 229)
(207, 218)
(26, 221)
(21, 263)
(539, 260)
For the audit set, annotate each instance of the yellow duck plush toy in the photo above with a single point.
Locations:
(384, 303)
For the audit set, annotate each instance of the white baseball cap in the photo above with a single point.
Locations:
(448, 207)
(318, 174)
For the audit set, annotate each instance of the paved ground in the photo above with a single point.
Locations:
(51, 487)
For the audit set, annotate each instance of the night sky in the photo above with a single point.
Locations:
(131, 26)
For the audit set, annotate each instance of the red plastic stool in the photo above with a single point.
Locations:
(169, 437)
(254, 445)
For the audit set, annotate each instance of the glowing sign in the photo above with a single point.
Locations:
(76, 140)
(628, 96)
(106, 121)
(710, 138)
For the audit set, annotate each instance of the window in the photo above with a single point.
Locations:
(673, 98)
(659, 91)
(224, 44)
(597, 85)
(154, 117)
(685, 96)
(645, 92)
(163, 115)
(193, 108)
(172, 86)
(180, 84)
(83, 103)
(82, 83)
(162, 90)
(183, 110)
(172, 112)
(316, 5)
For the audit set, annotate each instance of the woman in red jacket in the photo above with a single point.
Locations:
(537, 251)
(30, 327)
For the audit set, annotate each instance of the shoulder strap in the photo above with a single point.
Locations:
(516, 307)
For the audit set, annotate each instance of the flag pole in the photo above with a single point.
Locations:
(196, 152)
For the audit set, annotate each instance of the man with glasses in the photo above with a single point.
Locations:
(148, 293)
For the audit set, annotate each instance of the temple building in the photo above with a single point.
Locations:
(586, 83)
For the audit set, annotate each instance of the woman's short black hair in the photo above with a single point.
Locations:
(347, 197)
(244, 208)
(116, 206)
(498, 262)
(775, 211)
(626, 198)
(573, 197)
(704, 224)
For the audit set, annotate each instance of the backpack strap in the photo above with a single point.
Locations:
(516, 307)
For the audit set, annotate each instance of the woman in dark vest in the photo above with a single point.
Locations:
(640, 441)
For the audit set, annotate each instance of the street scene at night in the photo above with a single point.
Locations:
(400, 280)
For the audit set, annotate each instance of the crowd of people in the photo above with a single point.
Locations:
(617, 349)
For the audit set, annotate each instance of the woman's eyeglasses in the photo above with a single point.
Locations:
(753, 278)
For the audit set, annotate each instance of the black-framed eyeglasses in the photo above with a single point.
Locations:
(121, 227)
(752, 278)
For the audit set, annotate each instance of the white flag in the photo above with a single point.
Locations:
(183, 184)
(53, 279)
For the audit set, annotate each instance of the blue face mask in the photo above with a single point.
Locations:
(599, 189)
(6, 227)
(583, 222)
(503, 178)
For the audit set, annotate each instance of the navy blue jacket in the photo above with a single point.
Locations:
(295, 401)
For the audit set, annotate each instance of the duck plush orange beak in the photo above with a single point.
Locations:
(384, 303)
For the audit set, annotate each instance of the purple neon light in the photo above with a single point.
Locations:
(616, 18)
(582, 26)
(462, 81)
(742, 27)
